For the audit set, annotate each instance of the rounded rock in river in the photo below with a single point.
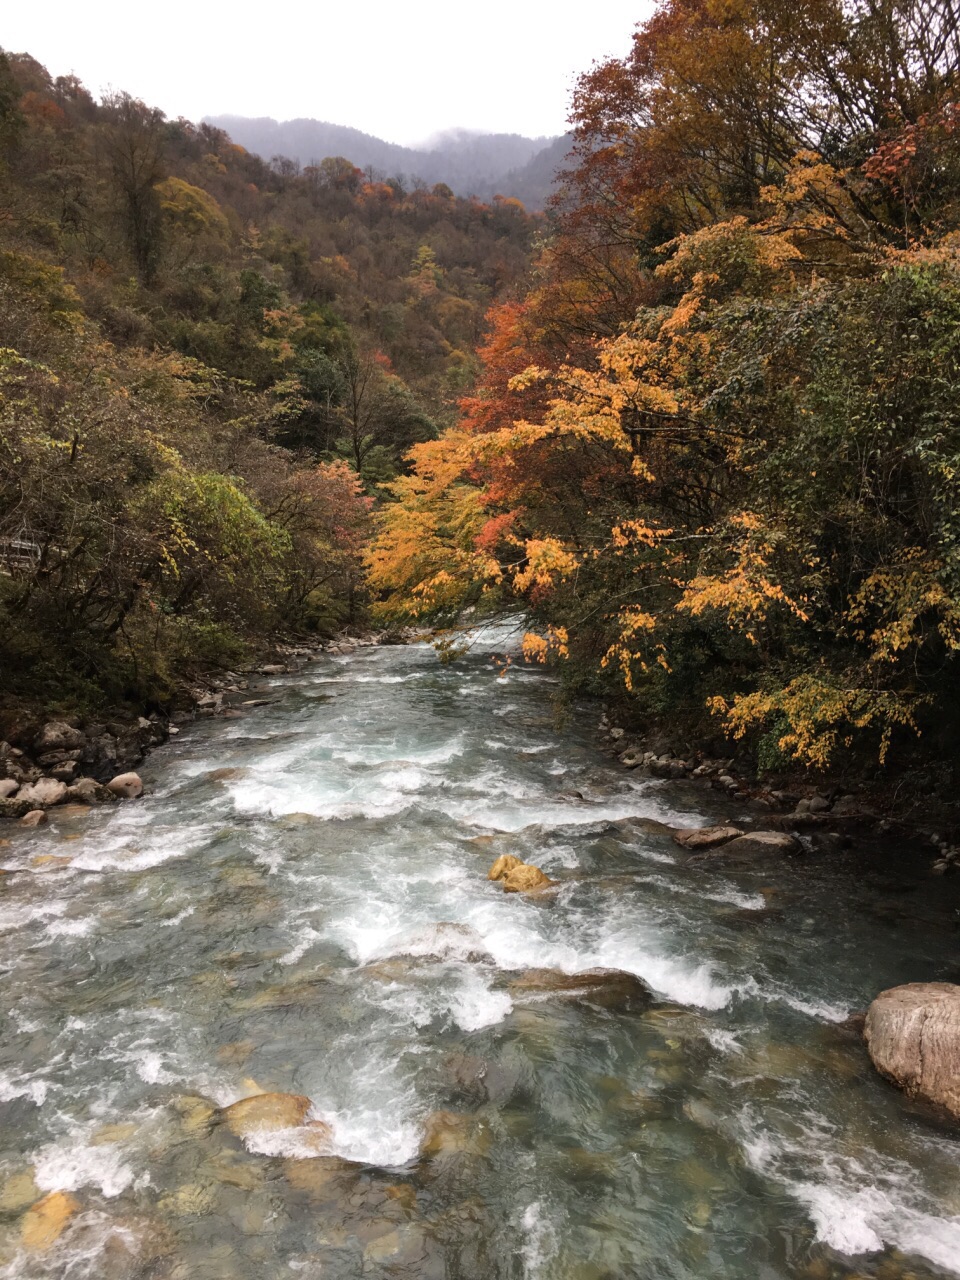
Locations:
(913, 1036)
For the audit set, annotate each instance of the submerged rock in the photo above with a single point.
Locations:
(34, 818)
(913, 1036)
(608, 988)
(322, 1177)
(450, 1132)
(446, 940)
(44, 1222)
(18, 1192)
(196, 1114)
(705, 837)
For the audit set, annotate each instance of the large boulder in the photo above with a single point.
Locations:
(126, 785)
(57, 736)
(117, 748)
(87, 791)
(517, 876)
(913, 1036)
(696, 838)
(8, 787)
(43, 793)
(14, 808)
(761, 842)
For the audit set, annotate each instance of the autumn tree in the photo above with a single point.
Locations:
(132, 144)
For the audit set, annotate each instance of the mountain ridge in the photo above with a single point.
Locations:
(469, 162)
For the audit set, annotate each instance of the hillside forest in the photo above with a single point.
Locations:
(699, 423)
(714, 449)
(210, 367)
(470, 163)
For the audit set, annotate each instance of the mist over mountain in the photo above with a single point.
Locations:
(470, 163)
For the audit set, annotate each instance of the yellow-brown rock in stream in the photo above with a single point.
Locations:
(505, 863)
(266, 1113)
(450, 1132)
(44, 1222)
(525, 879)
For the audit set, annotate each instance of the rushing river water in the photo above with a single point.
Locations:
(300, 904)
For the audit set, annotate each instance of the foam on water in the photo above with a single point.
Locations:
(857, 1205)
(72, 928)
(18, 916)
(137, 845)
(539, 1242)
(71, 1164)
(31, 1086)
(465, 999)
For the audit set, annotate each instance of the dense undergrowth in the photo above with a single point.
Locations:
(715, 450)
(209, 367)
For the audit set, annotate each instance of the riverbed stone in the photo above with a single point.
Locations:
(445, 940)
(14, 808)
(126, 785)
(51, 860)
(449, 1132)
(44, 1222)
(913, 1037)
(525, 879)
(695, 838)
(608, 988)
(266, 1113)
(324, 1178)
(196, 1114)
(18, 1192)
(43, 793)
(760, 842)
(34, 818)
(8, 787)
(88, 791)
(70, 812)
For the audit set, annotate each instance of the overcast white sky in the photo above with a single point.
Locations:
(401, 70)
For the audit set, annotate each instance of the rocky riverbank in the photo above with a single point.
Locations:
(48, 761)
(829, 812)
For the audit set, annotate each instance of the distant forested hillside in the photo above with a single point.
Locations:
(209, 367)
(480, 164)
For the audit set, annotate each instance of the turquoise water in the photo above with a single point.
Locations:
(300, 904)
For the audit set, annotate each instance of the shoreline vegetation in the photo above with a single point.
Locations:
(713, 449)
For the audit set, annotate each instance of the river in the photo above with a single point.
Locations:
(300, 904)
